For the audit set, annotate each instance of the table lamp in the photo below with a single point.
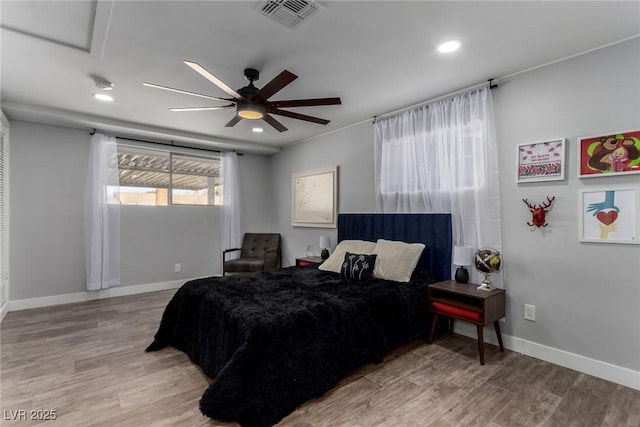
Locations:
(325, 244)
(462, 257)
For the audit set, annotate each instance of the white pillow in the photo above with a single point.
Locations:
(396, 260)
(334, 262)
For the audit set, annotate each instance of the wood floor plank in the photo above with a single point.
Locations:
(87, 361)
(480, 407)
(625, 408)
(531, 407)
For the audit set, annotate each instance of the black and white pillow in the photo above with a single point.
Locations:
(357, 266)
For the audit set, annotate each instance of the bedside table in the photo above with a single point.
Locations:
(462, 301)
(309, 260)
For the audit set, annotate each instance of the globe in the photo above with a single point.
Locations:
(487, 261)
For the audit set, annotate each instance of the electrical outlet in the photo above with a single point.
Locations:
(178, 267)
(530, 312)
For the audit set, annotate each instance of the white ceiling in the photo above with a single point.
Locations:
(378, 56)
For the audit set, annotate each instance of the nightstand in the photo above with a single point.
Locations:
(462, 301)
(309, 260)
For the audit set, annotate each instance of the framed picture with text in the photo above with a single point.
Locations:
(616, 153)
(542, 161)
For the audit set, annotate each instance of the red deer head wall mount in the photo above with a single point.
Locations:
(539, 212)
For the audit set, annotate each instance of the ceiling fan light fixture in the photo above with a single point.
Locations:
(250, 111)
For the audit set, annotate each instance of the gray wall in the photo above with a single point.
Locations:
(352, 150)
(586, 295)
(46, 178)
(48, 173)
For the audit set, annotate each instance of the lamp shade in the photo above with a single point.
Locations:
(325, 242)
(462, 255)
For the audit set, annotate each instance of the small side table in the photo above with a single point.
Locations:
(462, 301)
(309, 260)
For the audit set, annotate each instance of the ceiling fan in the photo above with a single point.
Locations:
(251, 102)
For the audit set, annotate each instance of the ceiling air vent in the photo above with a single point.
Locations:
(288, 12)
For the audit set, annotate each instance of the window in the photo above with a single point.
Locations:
(4, 210)
(195, 180)
(161, 178)
(448, 153)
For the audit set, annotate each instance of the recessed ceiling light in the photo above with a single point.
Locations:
(450, 46)
(258, 130)
(103, 97)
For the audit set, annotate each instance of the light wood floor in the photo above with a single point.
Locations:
(87, 362)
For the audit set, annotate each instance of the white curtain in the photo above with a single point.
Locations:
(102, 219)
(230, 229)
(442, 157)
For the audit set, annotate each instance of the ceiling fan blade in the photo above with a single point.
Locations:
(213, 79)
(298, 116)
(305, 102)
(186, 92)
(273, 122)
(231, 123)
(278, 82)
(222, 107)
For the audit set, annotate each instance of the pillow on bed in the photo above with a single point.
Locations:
(396, 260)
(357, 266)
(334, 262)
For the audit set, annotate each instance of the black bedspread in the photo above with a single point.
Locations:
(273, 340)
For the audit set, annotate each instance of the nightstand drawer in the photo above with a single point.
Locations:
(306, 261)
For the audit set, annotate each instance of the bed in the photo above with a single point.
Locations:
(275, 339)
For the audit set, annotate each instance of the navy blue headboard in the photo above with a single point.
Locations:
(434, 230)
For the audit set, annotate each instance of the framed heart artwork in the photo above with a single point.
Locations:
(609, 214)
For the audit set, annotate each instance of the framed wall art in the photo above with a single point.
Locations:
(609, 214)
(611, 154)
(541, 161)
(314, 198)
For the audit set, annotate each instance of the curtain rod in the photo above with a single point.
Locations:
(490, 83)
(171, 144)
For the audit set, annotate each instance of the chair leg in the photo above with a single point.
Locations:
(433, 328)
(480, 344)
(496, 326)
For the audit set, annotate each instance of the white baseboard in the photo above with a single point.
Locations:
(116, 291)
(596, 368)
(4, 310)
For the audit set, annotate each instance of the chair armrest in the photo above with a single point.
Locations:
(225, 253)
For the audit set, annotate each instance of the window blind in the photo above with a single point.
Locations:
(4, 241)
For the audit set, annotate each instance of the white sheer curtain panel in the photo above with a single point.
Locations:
(442, 157)
(230, 229)
(102, 219)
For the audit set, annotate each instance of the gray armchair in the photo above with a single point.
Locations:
(259, 251)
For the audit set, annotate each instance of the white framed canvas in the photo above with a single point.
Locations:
(609, 214)
(314, 197)
(542, 161)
